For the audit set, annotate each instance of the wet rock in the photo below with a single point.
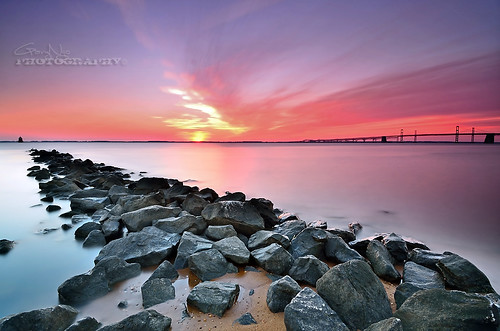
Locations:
(209, 264)
(188, 245)
(90, 193)
(309, 312)
(83, 231)
(116, 269)
(318, 224)
(95, 238)
(273, 258)
(281, 292)
(390, 324)
(426, 258)
(41, 174)
(346, 235)
(194, 204)
(208, 194)
(148, 247)
(310, 241)
(184, 222)
(355, 227)
(165, 270)
(236, 196)
(396, 246)
(178, 191)
(290, 228)
(88, 205)
(461, 274)
(85, 324)
(265, 209)
(47, 199)
(156, 290)
(245, 319)
(83, 288)
(243, 238)
(285, 217)
(36, 167)
(51, 208)
(337, 250)
(403, 292)
(243, 216)
(213, 297)
(357, 295)
(134, 202)
(264, 238)
(360, 245)
(123, 304)
(66, 226)
(138, 219)
(146, 320)
(439, 309)
(147, 185)
(233, 249)
(380, 259)
(57, 318)
(421, 276)
(78, 218)
(218, 232)
(308, 269)
(116, 192)
(111, 228)
(6, 246)
(413, 243)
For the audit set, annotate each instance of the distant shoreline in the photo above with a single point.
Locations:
(253, 142)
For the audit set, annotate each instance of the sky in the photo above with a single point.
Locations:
(247, 70)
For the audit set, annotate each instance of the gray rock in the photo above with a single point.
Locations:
(243, 216)
(90, 193)
(236, 196)
(245, 319)
(190, 244)
(213, 297)
(116, 269)
(59, 187)
(357, 295)
(355, 227)
(380, 259)
(286, 216)
(264, 238)
(290, 228)
(310, 241)
(404, 291)
(57, 318)
(281, 292)
(177, 191)
(52, 208)
(66, 226)
(146, 320)
(390, 324)
(111, 228)
(273, 258)
(346, 235)
(148, 247)
(337, 250)
(218, 232)
(426, 258)
(149, 184)
(47, 199)
(266, 210)
(233, 249)
(156, 290)
(122, 304)
(318, 224)
(135, 202)
(208, 194)
(138, 219)
(83, 288)
(78, 218)
(6, 246)
(308, 269)
(461, 274)
(88, 205)
(165, 270)
(95, 238)
(85, 324)
(309, 312)
(184, 222)
(243, 238)
(194, 204)
(439, 309)
(83, 230)
(100, 215)
(421, 276)
(396, 246)
(209, 264)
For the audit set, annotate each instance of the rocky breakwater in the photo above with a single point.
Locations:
(324, 278)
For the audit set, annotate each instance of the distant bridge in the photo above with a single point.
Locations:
(489, 137)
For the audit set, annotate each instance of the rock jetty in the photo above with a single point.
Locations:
(325, 278)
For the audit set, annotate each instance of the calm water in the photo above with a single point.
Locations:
(442, 194)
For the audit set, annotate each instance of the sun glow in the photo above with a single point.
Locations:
(199, 136)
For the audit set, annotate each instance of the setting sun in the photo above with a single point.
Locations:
(199, 136)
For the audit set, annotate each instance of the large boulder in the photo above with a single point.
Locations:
(336, 249)
(88, 205)
(134, 202)
(138, 219)
(233, 249)
(264, 238)
(149, 184)
(190, 244)
(273, 258)
(308, 269)
(57, 318)
(421, 276)
(396, 247)
(90, 193)
(194, 204)
(357, 295)
(310, 241)
(209, 264)
(218, 232)
(156, 290)
(235, 196)
(148, 247)
(404, 291)
(85, 324)
(462, 275)
(425, 257)
(117, 269)
(146, 320)
(243, 216)
(309, 312)
(83, 288)
(59, 187)
(290, 228)
(380, 259)
(213, 297)
(165, 270)
(439, 309)
(266, 210)
(95, 238)
(281, 292)
(390, 324)
(183, 222)
(112, 228)
(346, 235)
(84, 230)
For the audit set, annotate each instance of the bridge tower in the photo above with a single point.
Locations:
(401, 136)
(415, 137)
(456, 133)
(472, 136)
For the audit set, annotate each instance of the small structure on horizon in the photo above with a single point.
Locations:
(20, 140)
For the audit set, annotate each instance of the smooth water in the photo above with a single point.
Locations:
(445, 195)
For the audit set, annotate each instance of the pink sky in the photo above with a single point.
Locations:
(247, 70)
